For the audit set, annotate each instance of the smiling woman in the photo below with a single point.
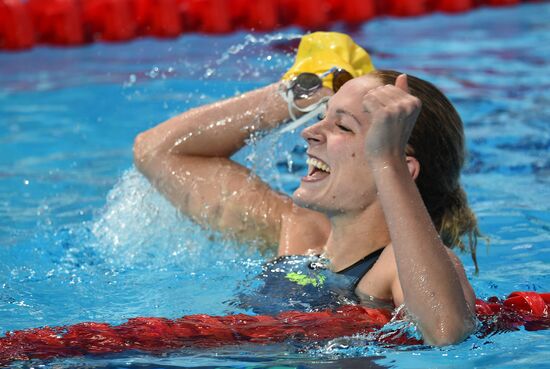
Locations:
(380, 202)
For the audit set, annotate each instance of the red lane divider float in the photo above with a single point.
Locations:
(16, 28)
(24, 23)
(57, 21)
(154, 335)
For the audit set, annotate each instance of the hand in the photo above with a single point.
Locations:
(392, 114)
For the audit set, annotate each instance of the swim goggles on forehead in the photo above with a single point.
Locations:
(306, 84)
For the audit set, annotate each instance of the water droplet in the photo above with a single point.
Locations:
(131, 81)
(208, 73)
(154, 72)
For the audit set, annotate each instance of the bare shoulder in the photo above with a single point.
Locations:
(469, 292)
(303, 231)
(456, 261)
(378, 281)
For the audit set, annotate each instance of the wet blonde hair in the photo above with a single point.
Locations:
(437, 142)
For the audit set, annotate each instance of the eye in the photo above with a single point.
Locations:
(343, 128)
(322, 115)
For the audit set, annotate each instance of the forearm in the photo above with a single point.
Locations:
(431, 287)
(218, 129)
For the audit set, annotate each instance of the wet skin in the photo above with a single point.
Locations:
(339, 141)
(368, 201)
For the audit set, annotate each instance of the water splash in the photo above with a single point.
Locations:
(253, 40)
(139, 227)
(137, 224)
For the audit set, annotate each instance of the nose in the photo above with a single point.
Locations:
(314, 134)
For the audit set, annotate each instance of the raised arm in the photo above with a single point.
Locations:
(430, 281)
(215, 130)
(187, 159)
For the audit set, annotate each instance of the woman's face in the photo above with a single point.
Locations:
(339, 179)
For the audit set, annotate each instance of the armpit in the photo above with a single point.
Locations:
(375, 302)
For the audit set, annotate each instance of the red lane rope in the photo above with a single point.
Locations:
(24, 23)
(528, 309)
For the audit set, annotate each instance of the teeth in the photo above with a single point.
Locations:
(318, 164)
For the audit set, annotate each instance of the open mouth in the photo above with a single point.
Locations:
(317, 170)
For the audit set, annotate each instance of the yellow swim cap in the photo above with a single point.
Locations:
(320, 51)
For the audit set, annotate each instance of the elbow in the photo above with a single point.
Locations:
(141, 151)
(452, 332)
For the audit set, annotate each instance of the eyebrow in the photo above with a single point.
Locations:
(345, 112)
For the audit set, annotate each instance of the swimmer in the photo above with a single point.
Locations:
(382, 185)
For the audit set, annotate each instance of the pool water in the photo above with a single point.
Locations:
(84, 237)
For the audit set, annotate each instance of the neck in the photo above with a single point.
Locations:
(355, 235)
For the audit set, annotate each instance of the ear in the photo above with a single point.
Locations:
(414, 166)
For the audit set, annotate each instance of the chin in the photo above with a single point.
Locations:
(308, 199)
(301, 198)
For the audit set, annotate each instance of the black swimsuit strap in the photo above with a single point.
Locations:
(357, 270)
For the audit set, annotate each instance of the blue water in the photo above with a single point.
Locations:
(84, 237)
